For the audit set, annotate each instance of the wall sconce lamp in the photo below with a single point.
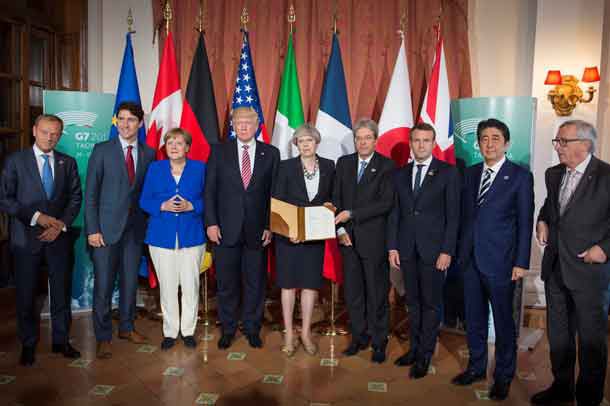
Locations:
(567, 93)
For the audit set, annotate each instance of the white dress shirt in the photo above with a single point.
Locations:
(424, 171)
(251, 152)
(495, 169)
(312, 185)
(580, 170)
(134, 151)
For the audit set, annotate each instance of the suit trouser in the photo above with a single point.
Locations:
(236, 267)
(178, 268)
(479, 291)
(28, 265)
(122, 257)
(367, 283)
(573, 312)
(424, 297)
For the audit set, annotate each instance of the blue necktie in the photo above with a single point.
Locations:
(485, 185)
(417, 185)
(361, 170)
(47, 176)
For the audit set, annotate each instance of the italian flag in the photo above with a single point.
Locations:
(289, 114)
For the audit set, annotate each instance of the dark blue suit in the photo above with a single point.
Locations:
(494, 238)
(163, 226)
(21, 195)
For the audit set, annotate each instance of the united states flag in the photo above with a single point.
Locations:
(246, 90)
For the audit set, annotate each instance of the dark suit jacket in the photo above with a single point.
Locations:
(22, 194)
(426, 224)
(109, 198)
(290, 184)
(242, 214)
(370, 201)
(499, 232)
(584, 223)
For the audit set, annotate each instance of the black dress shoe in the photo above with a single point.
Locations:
(378, 355)
(420, 369)
(225, 341)
(190, 341)
(499, 390)
(406, 359)
(28, 356)
(167, 343)
(552, 396)
(67, 350)
(468, 377)
(362, 343)
(254, 340)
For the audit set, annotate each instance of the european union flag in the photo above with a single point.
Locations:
(128, 89)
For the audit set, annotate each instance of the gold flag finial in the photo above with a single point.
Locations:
(167, 15)
(403, 23)
(130, 22)
(292, 17)
(335, 12)
(201, 17)
(245, 17)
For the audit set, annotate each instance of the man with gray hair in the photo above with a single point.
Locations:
(364, 195)
(574, 226)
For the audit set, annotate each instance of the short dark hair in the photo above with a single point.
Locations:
(132, 107)
(423, 127)
(493, 123)
(52, 118)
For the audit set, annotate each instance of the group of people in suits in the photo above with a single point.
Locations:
(420, 218)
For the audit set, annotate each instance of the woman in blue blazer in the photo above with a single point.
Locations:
(173, 197)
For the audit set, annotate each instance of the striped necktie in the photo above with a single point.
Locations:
(485, 184)
(246, 171)
(361, 170)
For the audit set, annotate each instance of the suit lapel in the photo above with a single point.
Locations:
(407, 180)
(585, 180)
(233, 157)
(503, 176)
(259, 159)
(140, 165)
(428, 178)
(555, 185)
(120, 157)
(60, 175)
(300, 178)
(369, 171)
(32, 166)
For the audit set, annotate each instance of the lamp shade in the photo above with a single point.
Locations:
(590, 74)
(553, 77)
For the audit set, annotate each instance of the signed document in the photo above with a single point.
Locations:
(302, 223)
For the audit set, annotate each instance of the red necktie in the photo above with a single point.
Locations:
(131, 168)
(246, 172)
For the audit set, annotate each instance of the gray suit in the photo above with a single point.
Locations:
(111, 208)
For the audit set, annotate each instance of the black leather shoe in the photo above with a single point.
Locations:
(378, 355)
(406, 359)
(254, 340)
(190, 341)
(362, 343)
(420, 369)
(67, 350)
(552, 396)
(225, 341)
(468, 377)
(499, 390)
(28, 356)
(167, 343)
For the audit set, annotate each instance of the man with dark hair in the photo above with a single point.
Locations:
(573, 226)
(116, 225)
(364, 195)
(40, 190)
(422, 236)
(494, 252)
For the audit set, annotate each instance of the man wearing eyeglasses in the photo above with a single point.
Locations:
(574, 227)
(494, 253)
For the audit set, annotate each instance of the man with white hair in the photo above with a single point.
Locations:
(574, 225)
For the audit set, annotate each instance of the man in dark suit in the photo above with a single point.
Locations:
(239, 182)
(494, 252)
(116, 225)
(41, 192)
(574, 225)
(422, 235)
(364, 195)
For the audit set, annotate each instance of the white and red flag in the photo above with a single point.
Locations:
(397, 115)
(167, 102)
(436, 106)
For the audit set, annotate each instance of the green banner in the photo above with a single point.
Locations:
(87, 118)
(518, 113)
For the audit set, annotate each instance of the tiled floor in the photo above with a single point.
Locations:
(141, 375)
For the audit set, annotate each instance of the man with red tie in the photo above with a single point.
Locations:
(116, 225)
(239, 181)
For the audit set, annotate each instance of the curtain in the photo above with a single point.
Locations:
(368, 35)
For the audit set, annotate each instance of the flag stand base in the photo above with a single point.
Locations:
(331, 327)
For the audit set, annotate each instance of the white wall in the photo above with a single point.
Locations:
(107, 28)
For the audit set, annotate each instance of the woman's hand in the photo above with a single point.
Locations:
(176, 204)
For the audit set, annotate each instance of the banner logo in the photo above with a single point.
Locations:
(78, 118)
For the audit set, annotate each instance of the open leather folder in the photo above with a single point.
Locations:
(302, 223)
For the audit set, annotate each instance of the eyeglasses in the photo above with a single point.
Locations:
(564, 141)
